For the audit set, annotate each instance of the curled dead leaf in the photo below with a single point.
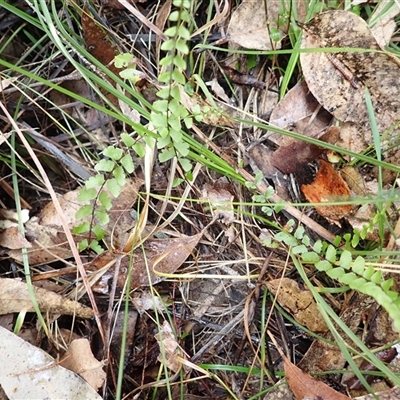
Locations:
(298, 111)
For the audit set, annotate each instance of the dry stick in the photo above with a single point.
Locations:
(63, 220)
(294, 212)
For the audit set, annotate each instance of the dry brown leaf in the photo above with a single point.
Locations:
(14, 297)
(354, 179)
(292, 157)
(248, 27)
(80, 359)
(295, 112)
(161, 19)
(27, 372)
(99, 46)
(299, 303)
(218, 90)
(306, 387)
(338, 80)
(324, 356)
(220, 199)
(328, 186)
(11, 238)
(91, 118)
(261, 159)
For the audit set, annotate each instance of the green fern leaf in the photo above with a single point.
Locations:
(336, 273)
(359, 265)
(323, 265)
(330, 254)
(345, 259)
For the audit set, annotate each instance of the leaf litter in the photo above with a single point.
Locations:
(191, 247)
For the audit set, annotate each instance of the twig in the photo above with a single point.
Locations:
(63, 158)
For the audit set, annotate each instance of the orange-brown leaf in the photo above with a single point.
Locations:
(305, 386)
(328, 186)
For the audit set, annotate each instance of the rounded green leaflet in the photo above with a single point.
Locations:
(310, 257)
(345, 259)
(330, 254)
(369, 272)
(336, 273)
(358, 265)
(323, 265)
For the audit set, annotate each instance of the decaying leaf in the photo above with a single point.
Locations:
(248, 27)
(306, 387)
(14, 297)
(300, 112)
(80, 359)
(299, 303)
(170, 351)
(354, 179)
(261, 159)
(220, 200)
(27, 372)
(11, 238)
(153, 260)
(328, 186)
(338, 80)
(293, 156)
(324, 355)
